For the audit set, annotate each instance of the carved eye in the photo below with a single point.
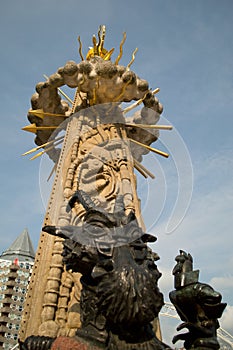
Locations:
(95, 229)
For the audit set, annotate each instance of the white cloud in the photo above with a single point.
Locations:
(226, 321)
(220, 282)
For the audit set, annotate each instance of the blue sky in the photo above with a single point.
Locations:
(185, 49)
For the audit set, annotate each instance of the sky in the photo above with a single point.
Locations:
(185, 48)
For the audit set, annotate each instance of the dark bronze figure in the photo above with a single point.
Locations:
(120, 296)
(197, 304)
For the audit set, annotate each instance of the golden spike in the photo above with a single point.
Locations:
(147, 126)
(52, 171)
(137, 164)
(33, 128)
(93, 100)
(161, 153)
(80, 48)
(41, 114)
(95, 49)
(140, 170)
(101, 35)
(108, 55)
(121, 48)
(37, 155)
(45, 150)
(122, 92)
(42, 146)
(132, 60)
(61, 92)
(137, 103)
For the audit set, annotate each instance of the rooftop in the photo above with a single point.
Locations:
(21, 249)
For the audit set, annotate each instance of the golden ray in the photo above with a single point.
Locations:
(41, 114)
(93, 100)
(45, 150)
(95, 49)
(108, 55)
(137, 103)
(101, 34)
(132, 60)
(52, 171)
(147, 126)
(42, 146)
(121, 48)
(161, 153)
(80, 49)
(117, 99)
(33, 128)
(99, 39)
(139, 169)
(138, 166)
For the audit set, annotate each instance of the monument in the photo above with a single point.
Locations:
(94, 283)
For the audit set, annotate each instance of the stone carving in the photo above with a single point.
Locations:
(97, 157)
(198, 305)
(98, 81)
(94, 219)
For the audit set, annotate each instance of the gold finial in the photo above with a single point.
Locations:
(98, 49)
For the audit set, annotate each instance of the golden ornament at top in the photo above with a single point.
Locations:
(98, 48)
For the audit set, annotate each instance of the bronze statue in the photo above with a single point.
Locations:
(198, 305)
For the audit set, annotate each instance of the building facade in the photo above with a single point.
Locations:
(15, 271)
